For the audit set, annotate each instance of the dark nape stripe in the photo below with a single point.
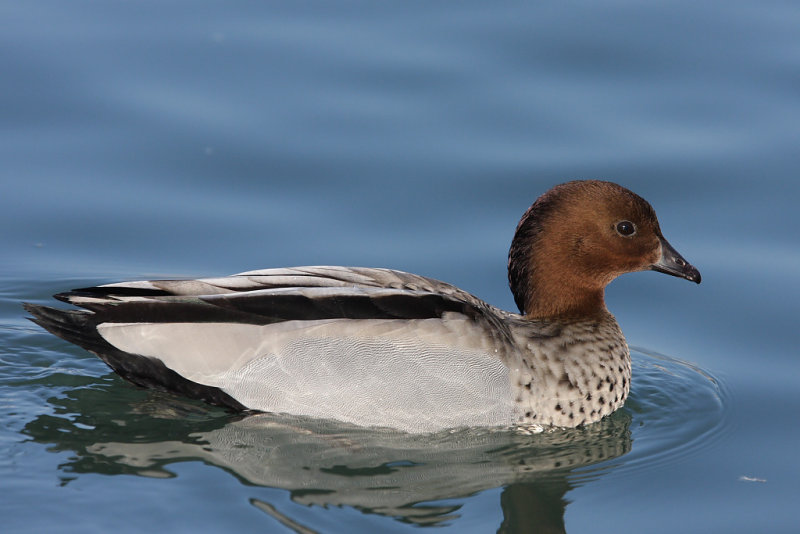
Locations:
(526, 238)
(80, 328)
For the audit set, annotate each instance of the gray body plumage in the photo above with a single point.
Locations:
(373, 347)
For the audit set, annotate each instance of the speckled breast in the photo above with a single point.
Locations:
(572, 373)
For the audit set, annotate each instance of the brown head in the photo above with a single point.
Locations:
(578, 237)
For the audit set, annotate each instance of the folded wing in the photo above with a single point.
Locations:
(369, 346)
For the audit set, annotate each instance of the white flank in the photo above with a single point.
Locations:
(415, 375)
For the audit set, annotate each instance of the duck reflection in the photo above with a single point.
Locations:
(412, 478)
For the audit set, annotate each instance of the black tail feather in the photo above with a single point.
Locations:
(71, 325)
(80, 327)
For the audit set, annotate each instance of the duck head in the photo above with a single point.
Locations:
(575, 239)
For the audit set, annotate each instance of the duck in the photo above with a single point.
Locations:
(383, 348)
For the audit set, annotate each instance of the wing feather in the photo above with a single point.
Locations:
(307, 340)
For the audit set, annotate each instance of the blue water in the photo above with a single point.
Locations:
(160, 139)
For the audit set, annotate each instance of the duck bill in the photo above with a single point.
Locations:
(673, 263)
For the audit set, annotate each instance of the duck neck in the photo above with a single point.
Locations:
(564, 302)
(545, 284)
(550, 278)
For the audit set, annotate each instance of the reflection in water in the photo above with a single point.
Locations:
(325, 463)
(674, 409)
(531, 507)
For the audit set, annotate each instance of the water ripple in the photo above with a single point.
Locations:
(678, 409)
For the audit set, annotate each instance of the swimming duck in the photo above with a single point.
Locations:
(378, 347)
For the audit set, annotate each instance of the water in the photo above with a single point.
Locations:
(157, 139)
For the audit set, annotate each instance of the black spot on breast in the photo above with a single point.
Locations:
(558, 407)
(528, 414)
(528, 386)
(588, 396)
(611, 387)
(602, 400)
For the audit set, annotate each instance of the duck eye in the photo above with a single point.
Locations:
(626, 228)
